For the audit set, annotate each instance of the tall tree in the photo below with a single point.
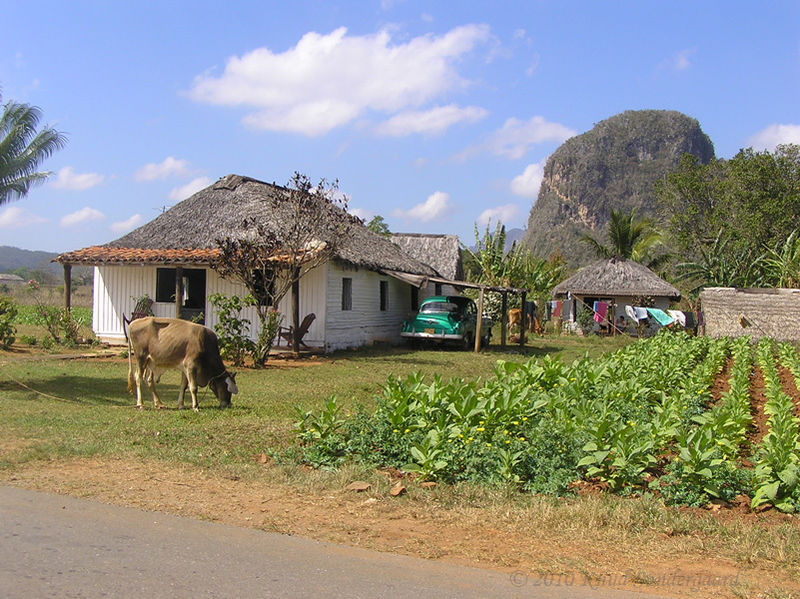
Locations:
(627, 237)
(751, 200)
(310, 225)
(378, 225)
(23, 147)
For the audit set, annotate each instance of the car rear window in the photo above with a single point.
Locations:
(438, 307)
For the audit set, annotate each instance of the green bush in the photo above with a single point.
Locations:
(232, 330)
(8, 314)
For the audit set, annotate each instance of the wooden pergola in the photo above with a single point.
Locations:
(419, 281)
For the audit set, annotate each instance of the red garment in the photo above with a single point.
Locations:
(557, 310)
(600, 311)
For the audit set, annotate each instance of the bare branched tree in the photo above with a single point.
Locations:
(308, 226)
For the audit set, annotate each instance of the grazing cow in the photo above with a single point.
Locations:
(532, 324)
(515, 318)
(158, 344)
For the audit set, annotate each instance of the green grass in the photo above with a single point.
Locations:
(83, 408)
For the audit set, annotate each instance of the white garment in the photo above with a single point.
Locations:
(678, 317)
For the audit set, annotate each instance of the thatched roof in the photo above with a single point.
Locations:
(616, 277)
(442, 252)
(188, 232)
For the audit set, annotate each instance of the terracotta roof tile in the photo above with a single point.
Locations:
(110, 255)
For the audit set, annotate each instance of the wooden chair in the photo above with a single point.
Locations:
(143, 308)
(288, 333)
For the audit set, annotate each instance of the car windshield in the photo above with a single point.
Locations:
(438, 307)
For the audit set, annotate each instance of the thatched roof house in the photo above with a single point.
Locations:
(616, 277)
(188, 232)
(615, 282)
(360, 296)
(442, 252)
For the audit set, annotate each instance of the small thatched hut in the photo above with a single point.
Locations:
(617, 282)
(442, 252)
(354, 298)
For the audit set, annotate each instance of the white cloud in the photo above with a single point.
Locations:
(84, 215)
(500, 214)
(435, 207)
(15, 217)
(192, 187)
(170, 167)
(67, 178)
(326, 81)
(430, 122)
(680, 61)
(527, 184)
(774, 135)
(124, 226)
(516, 137)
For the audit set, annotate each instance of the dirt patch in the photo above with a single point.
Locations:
(789, 386)
(421, 522)
(721, 386)
(759, 428)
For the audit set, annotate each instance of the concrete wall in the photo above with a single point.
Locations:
(759, 313)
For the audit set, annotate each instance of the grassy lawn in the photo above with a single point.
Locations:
(50, 411)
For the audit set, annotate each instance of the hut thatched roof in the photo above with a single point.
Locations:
(188, 232)
(616, 277)
(442, 252)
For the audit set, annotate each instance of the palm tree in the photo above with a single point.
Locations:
(628, 237)
(782, 263)
(22, 149)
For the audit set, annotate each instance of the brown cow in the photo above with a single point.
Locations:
(162, 343)
(515, 318)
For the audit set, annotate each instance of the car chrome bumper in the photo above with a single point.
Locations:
(444, 336)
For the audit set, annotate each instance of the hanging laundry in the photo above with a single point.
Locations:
(557, 309)
(678, 316)
(660, 316)
(631, 313)
(600, 310)
(641, 313)
(691, 320)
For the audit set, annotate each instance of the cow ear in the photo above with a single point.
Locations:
(231, 382)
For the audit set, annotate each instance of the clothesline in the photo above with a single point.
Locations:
(635, 313)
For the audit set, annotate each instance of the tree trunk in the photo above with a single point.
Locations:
(67, 287)
(295, 309)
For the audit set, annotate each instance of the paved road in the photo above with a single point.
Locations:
(56, 546)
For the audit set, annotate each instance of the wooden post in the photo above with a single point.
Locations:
(295, 309)
(67, 287)
(504, 320)
(178, 290)
(479, 322)
(522, 326)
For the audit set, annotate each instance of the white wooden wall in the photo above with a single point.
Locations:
(116, 287)
(366, 323)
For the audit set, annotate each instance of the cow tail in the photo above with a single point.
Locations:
(125, 321)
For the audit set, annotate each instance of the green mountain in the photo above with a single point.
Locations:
(614, 165)
(12, 258)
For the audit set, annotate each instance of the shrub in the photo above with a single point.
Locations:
(232, 330)
(8, 313)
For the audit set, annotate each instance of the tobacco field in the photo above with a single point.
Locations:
(690, 419)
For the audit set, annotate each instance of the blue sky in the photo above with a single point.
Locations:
(435, 115)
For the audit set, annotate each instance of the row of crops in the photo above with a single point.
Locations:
(642, 419)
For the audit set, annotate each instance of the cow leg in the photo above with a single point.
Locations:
(190, 374)
(182, 392)
(150, 378)
(138, 377)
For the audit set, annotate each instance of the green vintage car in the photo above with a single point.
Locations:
(447, 319)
